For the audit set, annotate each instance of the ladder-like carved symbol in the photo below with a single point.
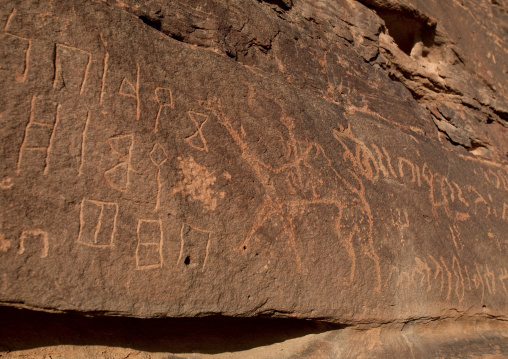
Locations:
(130, 90)
(150, 240)
(197, 140)
(34, 234)
(158, 156)
(118, 176)
(19, 76)
(164, 98)
(39, 134)
(74, 76)
(194, 247)
(97, 223)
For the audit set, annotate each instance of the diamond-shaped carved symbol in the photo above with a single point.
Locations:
(158, 156)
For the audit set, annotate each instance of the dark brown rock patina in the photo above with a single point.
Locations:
(342, 161)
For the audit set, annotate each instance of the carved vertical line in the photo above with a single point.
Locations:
(85, 130)
(138, 244)
(161, 257)
(55, 64)
(138, 109)
(99, 224)
(30, 120)
(81, 218)
(156, 129)
(51, 139)
(181, 243)
(449, 274)
(104, 72)
(45, 242)
(389, 162)
(87, 69)
(207, 251)
(27, 64)
(159, 188)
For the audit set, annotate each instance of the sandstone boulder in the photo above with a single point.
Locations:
(342, 161)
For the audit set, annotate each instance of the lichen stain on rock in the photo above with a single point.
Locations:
(196, 183)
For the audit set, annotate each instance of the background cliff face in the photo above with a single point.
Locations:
(340, 161)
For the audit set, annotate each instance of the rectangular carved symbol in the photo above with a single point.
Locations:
(149, 249)
(97, 223)
(39, 133)
(195, 244)
(34, 240)
(16, 58)
(71, 68)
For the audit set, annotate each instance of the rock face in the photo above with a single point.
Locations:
(340, 160)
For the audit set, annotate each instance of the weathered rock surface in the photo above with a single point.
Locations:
(340, 160)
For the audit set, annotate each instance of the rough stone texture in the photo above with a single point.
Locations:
(343, 161)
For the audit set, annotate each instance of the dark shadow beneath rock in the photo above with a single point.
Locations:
(25, 329)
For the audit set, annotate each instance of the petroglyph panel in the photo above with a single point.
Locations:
(167, 180)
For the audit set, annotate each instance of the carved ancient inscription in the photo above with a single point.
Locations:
(131, 90)
(195, 246)
(164, 98)
(451, 278)
(150, 241)
(97, 223)
(305, 168)
(39, 134)
(118, 176)
(197, 139)
(158, 156)
(34, 238)
(20, 66)
(72, 66)
(446, 198)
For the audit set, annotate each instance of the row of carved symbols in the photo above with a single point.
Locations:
(98, 229)
(194, 245)
(371, 162)
(72, 69)
(39, 138)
